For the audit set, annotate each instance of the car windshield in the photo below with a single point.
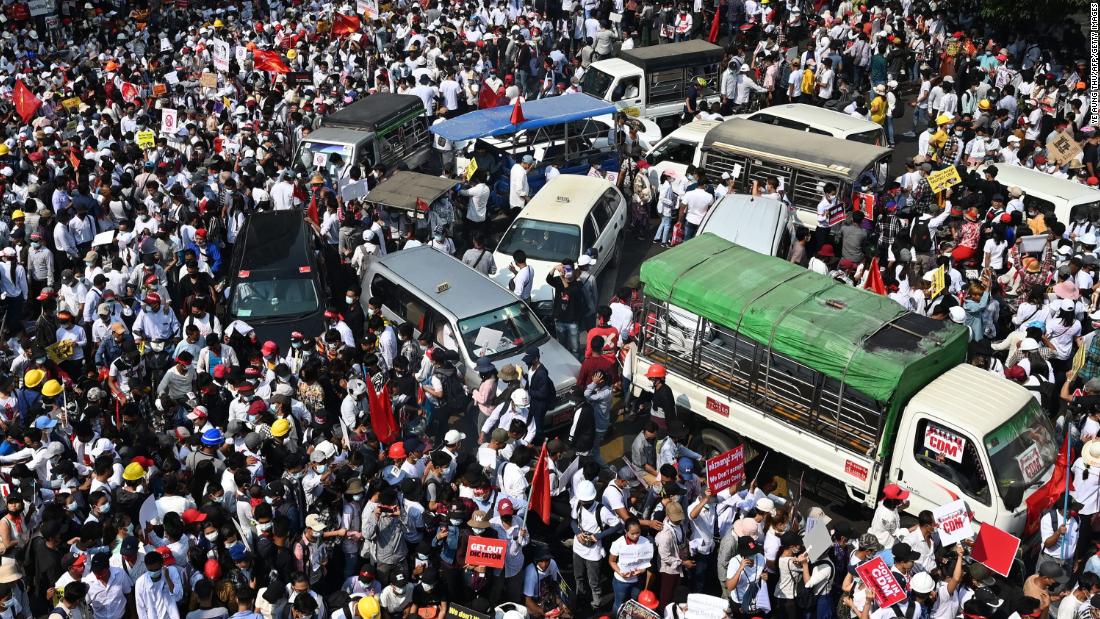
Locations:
(1022, 449)
(677, 151)
(542, 240)
(502, 332)
(596, 83)
(873, 137)
(334, 158)
(273, 297)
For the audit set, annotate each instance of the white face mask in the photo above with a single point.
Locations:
(213, 537)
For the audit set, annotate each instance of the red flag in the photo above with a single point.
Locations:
(539, 501)
(311, 210)
(129, 92)
(73, 159)
(713, 37)
(345, 24)
(269, 61)
(381, 414)
(517, 113)
(874, 278)
(1049, 493)
(486, 97)
(26, 104)
(422, 205)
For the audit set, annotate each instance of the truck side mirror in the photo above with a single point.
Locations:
(1013, 497)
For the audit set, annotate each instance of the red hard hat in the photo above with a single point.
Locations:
(648, 599)
(656, 371)
(397, 451)
(152, 297)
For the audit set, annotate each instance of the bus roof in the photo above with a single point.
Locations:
(691, 53)
(375, 112)
(865, 340)
(844, 157)
(537, 113)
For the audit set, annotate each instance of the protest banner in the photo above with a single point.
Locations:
(726, 470)
(878, 577)
(944, 442)
(222, 53)
(944, 179)
(953, 521)
(995, 549)
(454, 611)
(486, 551)
(168, 118)
(72, 103)
(146, 139)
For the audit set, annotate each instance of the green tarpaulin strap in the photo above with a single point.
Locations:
(862, 344)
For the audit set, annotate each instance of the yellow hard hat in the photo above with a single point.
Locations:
(943, 119)
(281, 427)
(218, 23)
(4, 149)
(291, 54)
(984, 104)
(133, 472)
(368, 607)
(51, 389)
(17, 214)
(33, 378)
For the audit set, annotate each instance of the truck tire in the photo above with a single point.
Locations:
(716, 441)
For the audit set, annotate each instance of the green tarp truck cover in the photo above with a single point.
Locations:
(867, 341)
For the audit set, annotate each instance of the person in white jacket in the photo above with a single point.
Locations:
(158, 590)
(666, 208)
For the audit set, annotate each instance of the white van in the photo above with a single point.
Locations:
(568, 216)
(679, 149)
(821, 121)
(1058, 195)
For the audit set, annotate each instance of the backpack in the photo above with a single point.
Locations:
(455, 397)
(921, 237)
(803, 595)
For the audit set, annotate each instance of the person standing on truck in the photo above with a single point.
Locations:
(518, 189)
(662, 406)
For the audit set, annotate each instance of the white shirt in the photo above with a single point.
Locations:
(518, 189)
(1069, 540)
(1086, 487)
(154, 600)
(108, 601)
(884, 525)
(697, 201)
(586, 519)
(642, 546)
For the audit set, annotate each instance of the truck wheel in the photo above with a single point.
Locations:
(717, 442)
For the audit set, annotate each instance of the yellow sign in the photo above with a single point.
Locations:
(71, 103)
(1063, 148)
(939, 282)
(146, 139)
(943, 179)
(208, 80)
(471, 169)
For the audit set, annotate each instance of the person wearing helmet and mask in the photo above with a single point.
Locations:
(516, 407)
(156, 321)
(354, 408)
(591, 523)
(662, 404)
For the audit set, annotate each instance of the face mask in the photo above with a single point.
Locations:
(40, 360)
(296, 344)
(130, 529)
(72, 506)
(36, 244)
(456, 522)
(478, 531)
(321, 468)
(263, 527)
(357, 497)
(365, 580)
(213, 537)
(155, 574)
(349, 300)
(421, 557)
(106, 507)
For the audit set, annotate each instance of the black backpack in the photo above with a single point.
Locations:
(921, 237)
(455, 397)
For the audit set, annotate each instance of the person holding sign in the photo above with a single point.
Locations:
(630, 558)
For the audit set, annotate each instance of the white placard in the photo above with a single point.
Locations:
(1031, 462)
(319, 160)
(354, 190)
(944, 442)
(241, 54)
(702, 606)
(168, 118)
(148, 512)
(103, 238)
(165, 45)
(172, 78)
(221, 56)
(488, 339)
(953, 522)
(615, 17)
(635, 557)
(817, 541)
(41, 7)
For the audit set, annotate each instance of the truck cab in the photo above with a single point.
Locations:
(955, 443)
(653, 82)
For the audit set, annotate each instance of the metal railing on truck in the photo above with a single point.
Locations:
(744, 370)
(803, 187)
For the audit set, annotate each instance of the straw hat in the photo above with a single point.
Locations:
(1090, 453)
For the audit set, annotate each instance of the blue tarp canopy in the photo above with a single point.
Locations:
(538, 113)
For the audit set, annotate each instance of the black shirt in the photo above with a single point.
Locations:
(568, 298)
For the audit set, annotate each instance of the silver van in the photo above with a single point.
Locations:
(465, 311)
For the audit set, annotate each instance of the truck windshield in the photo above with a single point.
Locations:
(542, 240)
(270, 297)
(334, 158)
(1022, 449)
(501, 332)
(596, 83)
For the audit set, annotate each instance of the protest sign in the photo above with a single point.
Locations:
(454, 611)
(486, 551)
(726, 470)
(995, 549)
(836, 214)
(635, 557)
(944, 179)
(71, 103)
(221, 56)
(953, 521)
(168, 118)
(146, 139)
(172, 78)
(631, 609)
(817, 541)
(208, 80)
(939, 282)
(159, 90)
(702, 606)
(944, 442)
(877, 576)
(1063, 148)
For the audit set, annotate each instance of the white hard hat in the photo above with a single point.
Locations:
(520, 398)
(357, 387)
(922, 583)
(586, 491)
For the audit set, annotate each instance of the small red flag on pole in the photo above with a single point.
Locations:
(539, 500)
(714, 26)
(874, 281)
(517, 113)
(26, 104)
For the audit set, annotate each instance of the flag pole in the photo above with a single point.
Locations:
(1065, 499)
(531, 489)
